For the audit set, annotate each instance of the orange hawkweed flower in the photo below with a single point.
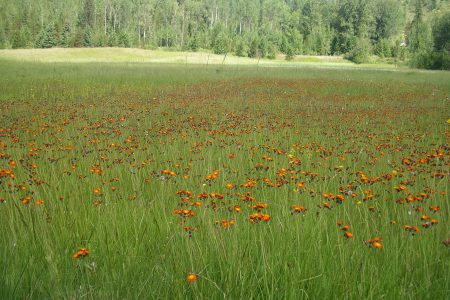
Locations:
(348, 234)
(80, 253)
(27, 200)
(191, 277)
(377, 245)
(298, 209)
(229, 186)
(435, 209)
(411, 229)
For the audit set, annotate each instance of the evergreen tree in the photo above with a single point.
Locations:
(253, 50)
(241, 48)
(420, 41)
(87, 37)
(65, 36)
(47, 37)
(221, 44)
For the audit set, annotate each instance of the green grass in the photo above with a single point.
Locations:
(62, 121)
(130, 55)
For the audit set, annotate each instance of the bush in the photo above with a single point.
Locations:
(272, 51)
(221, 44)
(241, 48)
(383, 48)
(361, 52)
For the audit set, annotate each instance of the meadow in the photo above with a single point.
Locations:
(168, 181)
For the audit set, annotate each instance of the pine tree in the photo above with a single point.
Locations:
(420, 41)
(65, 36)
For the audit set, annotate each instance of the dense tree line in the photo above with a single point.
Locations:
(417, 30)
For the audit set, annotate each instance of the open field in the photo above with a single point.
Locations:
(120, 180)
(129, 55)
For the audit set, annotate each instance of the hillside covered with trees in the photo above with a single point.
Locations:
(417, 31)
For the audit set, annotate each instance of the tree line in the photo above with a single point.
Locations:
(410, 30)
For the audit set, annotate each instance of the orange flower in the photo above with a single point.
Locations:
(377, 245)
(229, 186)
(298, 209)
(191, 278)
(348, 234)
(26, 200)
(80, 253)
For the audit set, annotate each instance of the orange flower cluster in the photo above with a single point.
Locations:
(338, 198)
(298, 209)
(375, 243)
(259, 217)
(213, 176)
(6, 173)
(168, 173)
(184, 213)
(225, 223)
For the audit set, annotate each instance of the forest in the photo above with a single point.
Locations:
(416, 32)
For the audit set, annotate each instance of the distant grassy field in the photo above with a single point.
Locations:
(142, 180)
(83, 55)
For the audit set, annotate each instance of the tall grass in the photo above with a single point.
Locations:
(62, 122)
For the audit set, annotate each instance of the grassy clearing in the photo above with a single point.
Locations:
(129, 55)
(97, 144)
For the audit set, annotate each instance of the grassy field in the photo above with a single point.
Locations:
(140, 180)
(128, 55)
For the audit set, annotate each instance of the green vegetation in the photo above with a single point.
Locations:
(126, 180)
(415, 31)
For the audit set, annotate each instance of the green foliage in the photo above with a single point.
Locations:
(221, 43)
(272, 51)
(87, 37)
(383, 48)
(193, 43)
(343, 43)
(47, 37)
(112, 40)
(421, 45)
(22, 38)
(123, 40)
(3, 39)
(65, 37)
(99, 39)
(253, 50)
(241, 48)
(441, 32)
(361, 52)
(87, 16)
(300, 26)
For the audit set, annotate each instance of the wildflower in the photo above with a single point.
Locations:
(348, 234)
(298, 209)
(375, 243)
(80, 253)
(191, 278)
(229, 186)
(411, 229)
